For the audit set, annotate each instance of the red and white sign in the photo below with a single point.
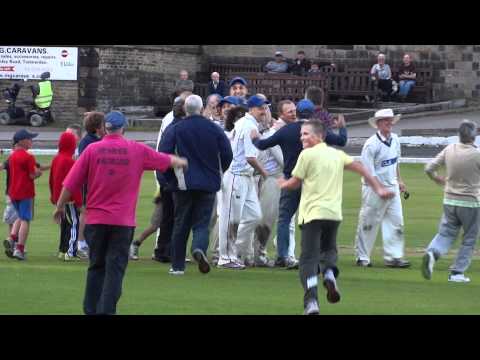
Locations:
(29, 62)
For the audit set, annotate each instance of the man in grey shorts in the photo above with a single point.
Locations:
(461, 203)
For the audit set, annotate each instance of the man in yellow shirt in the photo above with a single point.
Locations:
(319, 170)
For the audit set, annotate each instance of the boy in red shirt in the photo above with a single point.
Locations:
(61, 165)
(23, 172)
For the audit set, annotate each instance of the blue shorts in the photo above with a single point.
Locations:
(24, 209)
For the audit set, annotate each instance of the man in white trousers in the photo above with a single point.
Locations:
(381, 155)
(240, 209)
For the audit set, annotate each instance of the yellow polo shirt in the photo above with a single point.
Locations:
(321, 170)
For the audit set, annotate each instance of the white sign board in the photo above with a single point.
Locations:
(29, 62)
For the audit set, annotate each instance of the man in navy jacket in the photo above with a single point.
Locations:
(209, 154)
(288, 137)
(217, 86)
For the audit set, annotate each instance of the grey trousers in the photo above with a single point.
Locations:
(319, 253)
(455, 217)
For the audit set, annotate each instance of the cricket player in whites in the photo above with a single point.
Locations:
(240, 209)
(381, 155)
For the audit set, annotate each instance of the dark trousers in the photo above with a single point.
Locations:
(385, 86)
(69, 230)
(193, 210)
(319, 253)
(164, 238)
(109, 248)
(289, 201)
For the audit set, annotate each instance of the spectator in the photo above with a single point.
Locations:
(277, 66)
(382, 74)
(314, 69)
(317, 96)
(161, 252)
(9, 214)
(184, 84)
(319, 171)
(217, 86)
(461, 203)
(380, 155)
(300, 65)
(239, 88)
(94, 123)
(212, 110)
(406, 77)
(225, 105)
(110, 215)
(23, 172)
(208, 152)
(69, 226)
(160, 203)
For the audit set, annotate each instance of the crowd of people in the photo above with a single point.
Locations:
(229, 173)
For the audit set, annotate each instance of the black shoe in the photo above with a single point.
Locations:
(162, 259)
(281, 262)
(202, 261)
(9, 247)
(333, 296)
(397, 263)
(364, 263)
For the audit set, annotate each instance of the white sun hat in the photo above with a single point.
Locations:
(382, 114)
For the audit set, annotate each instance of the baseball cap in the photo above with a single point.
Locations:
(237, 79)
(305, 105)
(115, 120)
(234, 100)
(256, 101)
(22, 135)
(278, 53)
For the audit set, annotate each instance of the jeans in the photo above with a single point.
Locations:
(193, 211)
(405, 87)
(109, 247)
(289, 201)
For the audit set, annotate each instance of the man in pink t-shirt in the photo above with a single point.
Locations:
(112, 170)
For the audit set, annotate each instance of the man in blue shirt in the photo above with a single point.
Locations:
(288, 137)
(208, 151)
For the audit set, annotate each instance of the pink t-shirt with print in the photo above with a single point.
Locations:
(112, 169)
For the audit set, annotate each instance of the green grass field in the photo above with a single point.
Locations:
(45, 285)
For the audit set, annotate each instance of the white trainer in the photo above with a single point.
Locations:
(134, 252)
(459, 278)
(427, 265)
(176, 272)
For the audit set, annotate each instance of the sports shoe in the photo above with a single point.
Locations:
(459, 278)
(69, 258)
(232, 265)
(292, 264)
(161, 259)
(82, 254)
(333, 296)
(281, 262)
(201, 259)
(133, 254)
(9, 247)
(61, 256)
(311, 308)
(264, 262)
(176, 272)
(397, 263)
(364, 263)
(20, 255)
(427, 265)
(248, 263)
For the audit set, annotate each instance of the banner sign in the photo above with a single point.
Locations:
(29, 62)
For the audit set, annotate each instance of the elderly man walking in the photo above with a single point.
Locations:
(110, 219)
(208, 151)
(461, 203)
(380, 155)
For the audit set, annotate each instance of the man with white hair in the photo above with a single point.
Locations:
(217, 86)
(208, 151)
(461, 203)
(380, 155)
(110, 220)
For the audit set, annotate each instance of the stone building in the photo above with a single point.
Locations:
(122, 75)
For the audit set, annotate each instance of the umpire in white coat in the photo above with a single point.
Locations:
(381, 155)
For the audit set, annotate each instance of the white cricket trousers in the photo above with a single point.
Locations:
(376, 211)
(240, 213)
